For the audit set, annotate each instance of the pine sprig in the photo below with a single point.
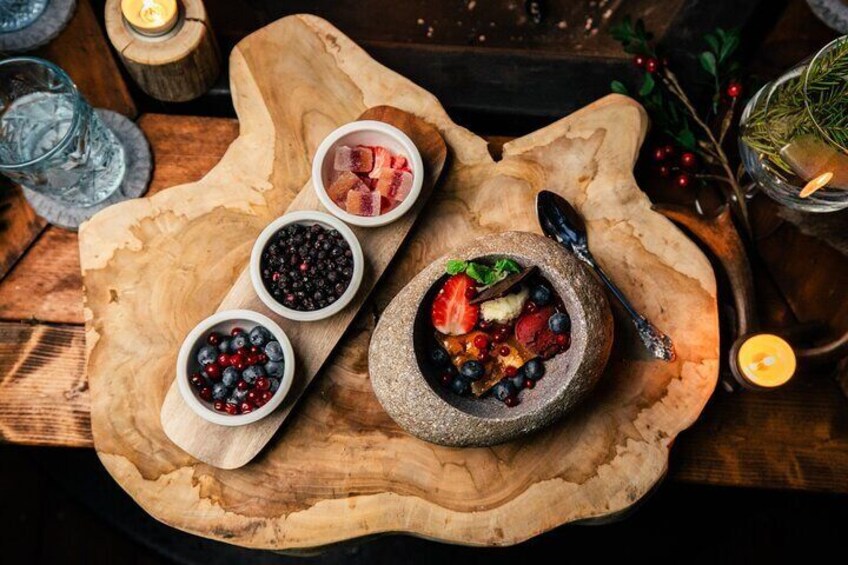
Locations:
(815, 102)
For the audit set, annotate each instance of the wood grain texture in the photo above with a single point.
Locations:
(83, 52)
(234, 447)
(19, 225)
(174, 68)
(342, 469)
(44, 400)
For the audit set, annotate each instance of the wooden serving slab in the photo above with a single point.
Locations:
(341, 468)
(232, 447)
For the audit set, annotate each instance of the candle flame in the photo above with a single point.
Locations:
(152, 12)
(816, 184)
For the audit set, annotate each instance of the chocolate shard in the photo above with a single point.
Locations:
(503, 287)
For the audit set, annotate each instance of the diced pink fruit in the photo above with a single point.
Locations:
(399, 162)
(363, 203)
(356, 159)
(382, 160)
(345, 182)
(394, 184)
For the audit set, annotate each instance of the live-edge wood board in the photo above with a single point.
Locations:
(340, 468)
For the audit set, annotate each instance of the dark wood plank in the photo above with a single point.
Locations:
(83, 51)
(45, 397)
(19, 225)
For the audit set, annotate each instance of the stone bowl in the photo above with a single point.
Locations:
(406, 383)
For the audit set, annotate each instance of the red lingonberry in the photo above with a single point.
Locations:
(235, 331)
(639, 61)
(652, 65)
(682, 180)
(688, 159)
(734, 89)
(213, 339)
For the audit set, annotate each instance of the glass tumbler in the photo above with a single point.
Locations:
(18, 14)
(51, 140)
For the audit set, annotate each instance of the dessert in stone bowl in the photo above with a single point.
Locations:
(499, 338)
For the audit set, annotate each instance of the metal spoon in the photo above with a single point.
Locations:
(561, 222)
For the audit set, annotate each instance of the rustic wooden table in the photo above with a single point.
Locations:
(794, 438)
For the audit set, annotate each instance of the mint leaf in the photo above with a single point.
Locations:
(456, 266)
(507, 266)
(480, 273)
(648, 84)
(708, 61)
(618, 87)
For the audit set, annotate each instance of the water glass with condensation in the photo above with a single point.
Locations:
(51, 140)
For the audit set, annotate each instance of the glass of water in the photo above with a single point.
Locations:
(18, 14)
(51, 140)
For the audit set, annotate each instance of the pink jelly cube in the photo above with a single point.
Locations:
(382, 160)
(394, 184)
(400, 162)
(356, 159)
(363, 203)
(345, 182)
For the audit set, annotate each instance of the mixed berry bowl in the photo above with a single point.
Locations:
(367, 173)
(306, 266)
(235, 367)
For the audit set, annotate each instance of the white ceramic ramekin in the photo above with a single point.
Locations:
(306, 218)
(223, 322)
(371, 133)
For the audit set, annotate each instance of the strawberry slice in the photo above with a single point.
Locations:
(451, 313)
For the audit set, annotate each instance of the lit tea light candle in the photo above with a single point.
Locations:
(765, 361)
(816, 184)
(150, 17)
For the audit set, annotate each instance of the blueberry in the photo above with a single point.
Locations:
(534, 369)
(274, 351)
(224, 346)
(559, 323)
(207, 354)
(460, 386)
(439, 356)
(252, 373)
(471, 370)
(275, 384)
(540, 295)
(237, 396)
(240, 340)
(517, 381)
(230, 376)
(274, 369)
(503, 389)
(219, 391)
(259, 336)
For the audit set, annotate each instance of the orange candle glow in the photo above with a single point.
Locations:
(150, 17)
(766, 360)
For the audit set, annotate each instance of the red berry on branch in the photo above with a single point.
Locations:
(682, 180)
(652, 65)
(669, 150)
(688, 159)
(639, 61)
(734, 89)
(664, 171)
(659, 154)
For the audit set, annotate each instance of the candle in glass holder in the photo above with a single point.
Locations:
(150, 17)
(766, 360)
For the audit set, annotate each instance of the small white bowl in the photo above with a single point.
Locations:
(306, 218)
(224, 322)
(366, 132)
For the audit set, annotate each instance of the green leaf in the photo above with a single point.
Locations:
(618, 87)
(708, 62)
(480, 273)
(647, 85)
(713, 42)
(456, 266)
(728, 47)
(507, 266)
(686, 138)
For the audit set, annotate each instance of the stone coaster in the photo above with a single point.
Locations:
(834, 13)
(136, 178)
(42, 31)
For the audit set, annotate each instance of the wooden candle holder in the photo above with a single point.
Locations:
(175, 67)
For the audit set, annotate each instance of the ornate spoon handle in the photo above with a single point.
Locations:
(655, 341)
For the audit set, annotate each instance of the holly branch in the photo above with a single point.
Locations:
(702, 134)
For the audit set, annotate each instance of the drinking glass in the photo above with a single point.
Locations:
(51, 140)
(786, 132)
(18, 14)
